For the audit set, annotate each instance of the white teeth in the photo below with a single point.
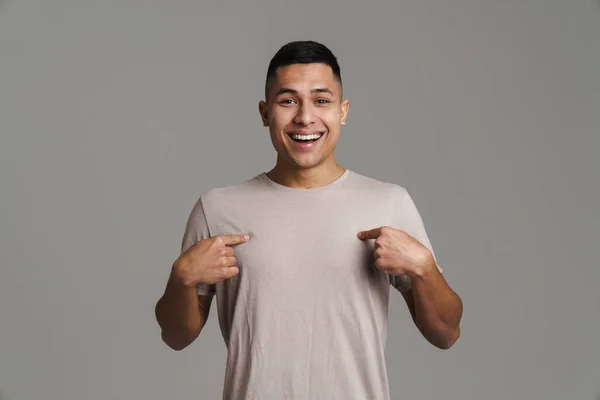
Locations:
(306, 137)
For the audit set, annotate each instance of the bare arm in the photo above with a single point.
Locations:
(435, 308)
(181, 313)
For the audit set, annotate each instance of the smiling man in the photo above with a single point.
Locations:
(301, 258)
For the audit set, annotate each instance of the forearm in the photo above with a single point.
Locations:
(178, 314)
(437, 308)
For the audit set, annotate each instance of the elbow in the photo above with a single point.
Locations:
(447, 338)
(440, 334)
(177, 343)
(446, 331)
(176, 335)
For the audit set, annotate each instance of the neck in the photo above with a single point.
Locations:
(305, 178)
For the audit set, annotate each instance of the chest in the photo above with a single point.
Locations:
(295, 250)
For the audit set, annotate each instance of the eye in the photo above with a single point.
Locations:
(287, 101)
(323, 101)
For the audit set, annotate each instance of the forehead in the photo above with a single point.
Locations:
(305, 77)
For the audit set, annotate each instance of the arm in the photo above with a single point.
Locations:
(204, 261)
(435, 308)
(181, 313)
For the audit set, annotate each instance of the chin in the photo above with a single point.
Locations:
(303, 163)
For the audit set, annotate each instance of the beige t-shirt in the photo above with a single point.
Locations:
(306, 317)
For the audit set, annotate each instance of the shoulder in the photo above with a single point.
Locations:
(383, 189)
(222, 197)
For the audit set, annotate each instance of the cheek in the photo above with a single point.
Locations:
(281, 119)
(331, 118)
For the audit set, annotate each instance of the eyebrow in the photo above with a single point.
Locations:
(293, 91)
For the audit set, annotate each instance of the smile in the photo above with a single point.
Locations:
(305, 137)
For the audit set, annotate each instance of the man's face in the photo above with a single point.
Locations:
(304, 112)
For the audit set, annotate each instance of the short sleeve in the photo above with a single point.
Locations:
(197, 229)
(406, 217)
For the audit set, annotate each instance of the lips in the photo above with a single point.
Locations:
(304, 133)
(305, 144)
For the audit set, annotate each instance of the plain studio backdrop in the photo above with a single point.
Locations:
(116, 115)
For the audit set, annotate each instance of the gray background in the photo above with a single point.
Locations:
(116, 115)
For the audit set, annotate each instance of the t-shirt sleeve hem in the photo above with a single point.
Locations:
(404, 284)
(204, 291)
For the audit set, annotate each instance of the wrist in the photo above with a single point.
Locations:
(423, 270)
(179, 277)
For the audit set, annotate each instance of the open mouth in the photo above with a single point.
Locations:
(305, 138)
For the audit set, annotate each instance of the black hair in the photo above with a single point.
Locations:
(302, 52)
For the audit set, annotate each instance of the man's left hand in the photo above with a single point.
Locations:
(397, 252)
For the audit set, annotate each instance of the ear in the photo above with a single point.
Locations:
(264, 112)
(345, 106)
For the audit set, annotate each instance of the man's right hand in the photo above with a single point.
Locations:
(208, 261)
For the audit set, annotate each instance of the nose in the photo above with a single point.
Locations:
(305, 114)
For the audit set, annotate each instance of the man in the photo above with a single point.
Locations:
(302, 258)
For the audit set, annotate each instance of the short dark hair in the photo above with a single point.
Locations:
(302, 52)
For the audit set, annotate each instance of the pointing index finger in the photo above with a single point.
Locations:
(234, 239)
(369, 234)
